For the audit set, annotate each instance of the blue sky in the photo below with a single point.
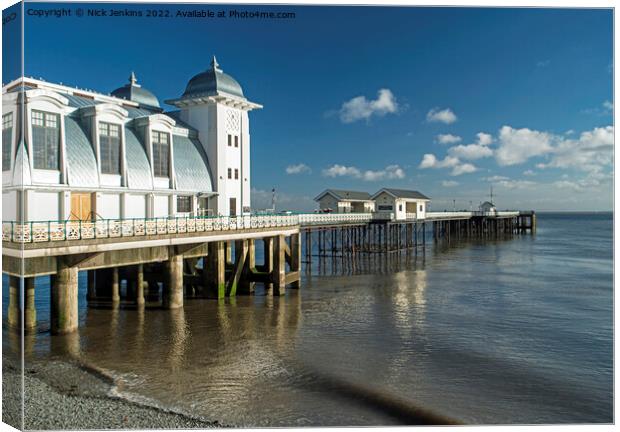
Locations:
(446, 101)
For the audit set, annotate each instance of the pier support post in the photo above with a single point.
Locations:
(241, 254)
(116, 290)
(215, 275)
(30, 311)
(139, 285)
(268, 254)
(246, 286)
(296, 259)
(64, 299)
(172, 297)
(14, 313)
(278, 275)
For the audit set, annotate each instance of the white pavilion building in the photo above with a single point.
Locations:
(85, 155)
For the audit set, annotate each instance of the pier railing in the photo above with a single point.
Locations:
(47, 231)
(306, 219)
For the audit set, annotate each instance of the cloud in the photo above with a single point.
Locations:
(298, 169)
(543, 63)
(518, 145)
(592, 180)
(444, 116)
(340, 171)
(458, 168)
(470, 151)
(448, 139)
(529, 173)
(465, 168)
(604, 109)
(590, 152)
(360, 108)
(390, 172)
(449, 183)
(495, 178)
(516, 184)
(480, 149)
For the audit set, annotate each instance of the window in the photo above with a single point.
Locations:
(161, 153)
(400, 207)
(184, 204)
(110, 148)
(7, 142)
(236, 174)
(229, 173)
(45, 140)
(236, 141)
(421, 207)
(229, 140)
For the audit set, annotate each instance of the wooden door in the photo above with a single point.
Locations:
(233, 207)
(81, 206)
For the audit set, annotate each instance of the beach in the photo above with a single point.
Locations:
(65, 395)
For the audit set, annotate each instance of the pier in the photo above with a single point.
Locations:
(161, 262)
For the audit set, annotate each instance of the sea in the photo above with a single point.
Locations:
(517, 330)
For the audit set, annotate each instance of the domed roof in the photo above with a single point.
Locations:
(136, 93)
(211, 82)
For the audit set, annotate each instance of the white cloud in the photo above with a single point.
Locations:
(340, 171)
(429, 160)
(390, 172)
(360, 108)
(449, 183)
(444, 116)
(480, 149)
(518, 145)
(516, 184)
(592, 151)
(608, 105)
(470, 151)
(529, 173)
(465, 168)
(448, 139)
(298, 169)
(484, 139)
(604, 109)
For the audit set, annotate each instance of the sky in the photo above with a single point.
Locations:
(446, 101)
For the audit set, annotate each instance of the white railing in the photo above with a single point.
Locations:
(448, 215)
(306, 219)
(410, 216)
(46, 231)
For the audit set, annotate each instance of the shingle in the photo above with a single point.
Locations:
(81, 162)
(191, 165)
(138, 166)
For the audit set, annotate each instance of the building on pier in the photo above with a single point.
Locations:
(401, 204)
(488, 207)
(84, 155)
(345, 201)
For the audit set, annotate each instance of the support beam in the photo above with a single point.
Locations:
(246, 285)
(268, 254)
(14, 313)
(295, 251)
(173, 287)
(241, 253)
(64, 299)
(215, 275)
(30, 311)
(278, 275)
(139, 285)
(116, 288)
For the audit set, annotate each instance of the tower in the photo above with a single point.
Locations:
(213, 103)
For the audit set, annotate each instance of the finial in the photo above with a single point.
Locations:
(133, 80)
(214, 64)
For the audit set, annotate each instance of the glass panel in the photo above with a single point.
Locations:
(160, 153)
(45, 140)
(109, 146)
(7, 142)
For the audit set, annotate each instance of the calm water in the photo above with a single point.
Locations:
(513, 331)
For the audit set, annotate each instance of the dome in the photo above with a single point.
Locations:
(136, 93)
(211, 82)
